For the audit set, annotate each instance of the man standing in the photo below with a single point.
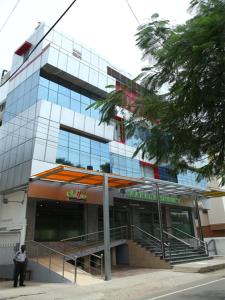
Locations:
(20, 262)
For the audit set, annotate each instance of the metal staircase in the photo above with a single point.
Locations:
(173, 249)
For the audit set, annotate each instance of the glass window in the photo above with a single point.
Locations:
(42, 93)
(84, 110)
(75, 105)
(95, 114)
(82, 151)
(53, 86)
(20, 90)
(33, 95)
(85, 159)
(74, 157)
(64, 138)
(85, 100)
(62, 153)
(75, 95)
(35, 79)
(28, 83)
(63, 90)
(63, 100)
(84, 144)
(44, 82)
(52, 96)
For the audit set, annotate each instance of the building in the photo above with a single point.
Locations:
(45, 123)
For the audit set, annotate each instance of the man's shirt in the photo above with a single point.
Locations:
(20, 256)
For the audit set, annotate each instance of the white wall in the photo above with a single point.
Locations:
(217, 211)
(13, 215)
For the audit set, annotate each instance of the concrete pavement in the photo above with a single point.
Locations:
(216, 263)
(135, 284)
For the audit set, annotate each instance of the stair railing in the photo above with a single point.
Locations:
(212, 241)
(93, 238)
(120, 232)
(33, 250)
(200, 244)
(138, 233)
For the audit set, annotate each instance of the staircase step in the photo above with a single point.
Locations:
(191, 255)
(173, 262)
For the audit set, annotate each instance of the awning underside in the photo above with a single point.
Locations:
(70, 175)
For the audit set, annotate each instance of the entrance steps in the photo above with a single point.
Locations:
(178, 252)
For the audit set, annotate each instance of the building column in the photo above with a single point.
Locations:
(160, 219)
(107, 254)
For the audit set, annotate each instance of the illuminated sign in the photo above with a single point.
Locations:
(151, 197)
(76, 195)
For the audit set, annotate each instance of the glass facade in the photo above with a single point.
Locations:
(61, 95)
(125, 166)
(189, 178)
(22, 97)
(166, 174)
(80, 151)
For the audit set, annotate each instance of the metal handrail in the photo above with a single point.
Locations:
(202, 243)
(176, 238)
(214, 244)
(68, 257)
(92, 233)
(37, 244)
(51, 249)
(187, 234)
(148, 234)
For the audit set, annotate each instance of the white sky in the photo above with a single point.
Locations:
(107, 26)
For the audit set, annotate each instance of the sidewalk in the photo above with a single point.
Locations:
(216, 263)
(135, 284)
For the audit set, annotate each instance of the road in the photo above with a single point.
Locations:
(209, 290)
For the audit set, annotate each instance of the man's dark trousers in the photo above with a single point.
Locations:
(19, 270)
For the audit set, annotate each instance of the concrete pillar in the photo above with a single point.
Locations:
(107, 254)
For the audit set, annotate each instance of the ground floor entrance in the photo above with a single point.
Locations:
(57, 220)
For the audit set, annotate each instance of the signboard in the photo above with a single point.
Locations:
(152, 197)
(76, 195)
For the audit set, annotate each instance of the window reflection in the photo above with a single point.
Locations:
(56, 93)
(80, 151)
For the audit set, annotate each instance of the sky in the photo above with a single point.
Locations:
(107, 26)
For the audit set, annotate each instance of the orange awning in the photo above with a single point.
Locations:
(82, 176)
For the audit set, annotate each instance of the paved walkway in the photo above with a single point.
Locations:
(217, 263)
(132, 284)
